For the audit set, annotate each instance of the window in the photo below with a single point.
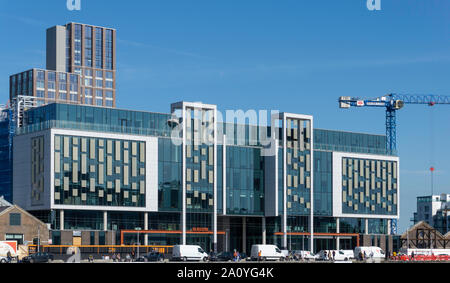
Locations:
(99, 83)
(99, 74)
(109, 49)
(73, 97)
(14, 219)
(15, 237)
(88, 82)
(88, 46)
(74, 83)
(109, 75)
(108, 84)
(99, 101)
(77, 52)
(98, 48)
(51, 94)
(40, 94)
(102, 238)
(99, 93)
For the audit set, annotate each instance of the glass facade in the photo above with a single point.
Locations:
(298, 167)
(78, 117)
(245, 181)
(323, 183)
(349, 142)
(352, 225)
(99, 172)
(170, 175)
(369, 186)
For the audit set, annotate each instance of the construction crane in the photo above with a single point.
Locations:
(392, 103)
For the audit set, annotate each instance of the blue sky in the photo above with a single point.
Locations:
(290, 55)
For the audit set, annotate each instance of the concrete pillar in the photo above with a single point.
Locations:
(183, 194)
(61, 220)
(146, 228)
(338, 230)
(264, 232)
(224, 174)
(244, 234)
(105, 221)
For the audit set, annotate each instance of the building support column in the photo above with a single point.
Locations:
(284, 217)
(61, 220)
(224, 175)
(338, 231)
(183, 194)
(105, 221)
(244, 234)
(146, 228)
(215, 185)
(264, 232)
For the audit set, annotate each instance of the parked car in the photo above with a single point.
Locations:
(223, 256)
(187, 252)
(4, 259)
(38, 258)
(268, 252)
(306, 255)
(155, 256)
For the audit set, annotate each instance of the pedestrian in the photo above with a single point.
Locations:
(235, 255)
(325, 255)
(259, 255)
(238, 256)
(334, 255)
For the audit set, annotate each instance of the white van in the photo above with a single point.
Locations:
(189, 252)
(370, 252)
(268, 252)
(344, 255)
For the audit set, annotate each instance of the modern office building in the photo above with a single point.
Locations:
(100, 175)
(434, 211)
(188, 177)
(81, 68)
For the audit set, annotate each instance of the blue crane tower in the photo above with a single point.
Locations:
(392, 103)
